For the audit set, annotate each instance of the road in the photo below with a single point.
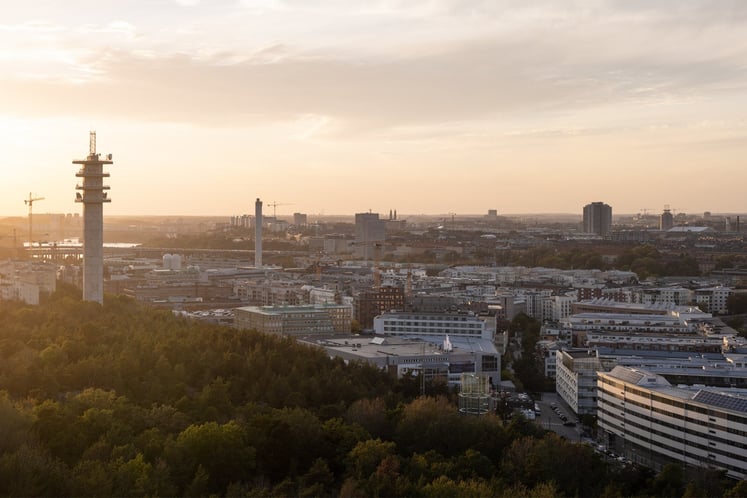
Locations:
(550, 420)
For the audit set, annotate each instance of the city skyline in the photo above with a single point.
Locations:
(340, 107)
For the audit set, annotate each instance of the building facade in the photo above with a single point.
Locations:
(576, 379)
(434, 357)
(598, 218)
(369, 304)
(647, 420)
(295, 320)
(415, 323)
(26, 281)
(370, 232)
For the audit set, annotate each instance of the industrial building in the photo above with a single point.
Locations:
(649, 421)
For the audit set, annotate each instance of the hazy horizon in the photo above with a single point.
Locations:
(432, 106)
(351, 216)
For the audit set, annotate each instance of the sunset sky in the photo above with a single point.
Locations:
(424, 106)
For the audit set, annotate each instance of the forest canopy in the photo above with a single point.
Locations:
(125, 400)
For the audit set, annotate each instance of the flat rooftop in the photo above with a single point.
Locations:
(368, 347)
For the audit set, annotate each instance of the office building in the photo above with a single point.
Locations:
(370, 233)
(300, 219)
(258, 233)
(598, 218)
(320, 319)
(435, 357)
(369, 304)
(418, 323)
(666, 220)
(576, 379)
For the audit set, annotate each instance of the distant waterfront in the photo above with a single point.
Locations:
(77, 243)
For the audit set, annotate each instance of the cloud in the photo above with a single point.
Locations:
(523, 61)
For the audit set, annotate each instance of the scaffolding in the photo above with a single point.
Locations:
(475, 395)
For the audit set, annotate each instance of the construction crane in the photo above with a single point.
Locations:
(274, 205)
(30, 201)
(377, 248)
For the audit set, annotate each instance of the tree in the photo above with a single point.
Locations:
(736, 303)
(431, 423)
(365, 457)
(318, 480)
(221, 451)
(371, 414)
(738, 491)
(32, 471)
(670, 481)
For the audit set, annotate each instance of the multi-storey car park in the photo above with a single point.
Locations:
(649, 421)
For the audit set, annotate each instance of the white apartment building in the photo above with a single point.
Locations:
(647, 420)
(548, 352)
(535, 302)
(26, 280)
(679, 296)
(557, 308)
(576, 379)
(713, 299)
(321, 295)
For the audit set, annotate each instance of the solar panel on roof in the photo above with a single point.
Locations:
(626, 374)
(721, 400)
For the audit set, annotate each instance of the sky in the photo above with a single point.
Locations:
(343, 106)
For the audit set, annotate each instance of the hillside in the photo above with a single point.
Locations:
(122, 400)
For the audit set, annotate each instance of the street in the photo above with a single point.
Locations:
(548, 419)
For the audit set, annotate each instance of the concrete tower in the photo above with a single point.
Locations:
(93, 199)
(258, 233)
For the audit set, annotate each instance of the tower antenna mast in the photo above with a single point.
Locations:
(92, 193)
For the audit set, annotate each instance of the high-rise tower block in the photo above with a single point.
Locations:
(93, 196)
(258, 233)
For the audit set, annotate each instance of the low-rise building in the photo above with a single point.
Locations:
(432, 324)
(320, 319)
(432, 356)
(27, 280)
(583, 325)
